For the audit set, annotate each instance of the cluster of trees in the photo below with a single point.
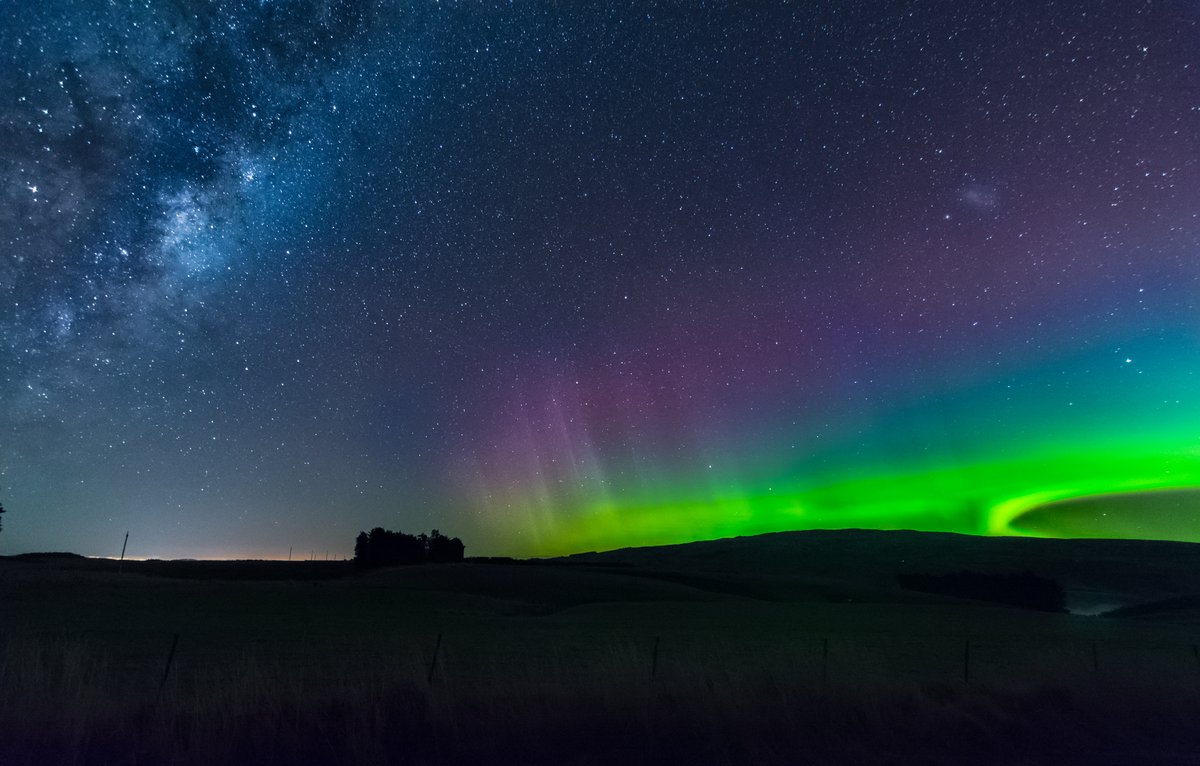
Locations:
(379, 547)
(1025, 590)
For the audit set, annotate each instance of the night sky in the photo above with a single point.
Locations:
(568, 276)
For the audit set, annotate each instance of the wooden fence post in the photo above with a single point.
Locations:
(433, 663)
(170, 659)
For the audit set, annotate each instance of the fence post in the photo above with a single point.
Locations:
(170, 659)
(433, 663)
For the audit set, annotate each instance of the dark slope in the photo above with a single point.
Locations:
(1094, 572)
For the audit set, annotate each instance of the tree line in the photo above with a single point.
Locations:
(379, 547)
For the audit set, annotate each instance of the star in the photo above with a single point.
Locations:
(550, 283)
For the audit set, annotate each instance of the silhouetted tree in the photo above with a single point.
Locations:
(442, 548)
(1, 517)
(362, 548)
(379, 547)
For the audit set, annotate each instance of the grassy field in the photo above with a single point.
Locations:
(761, 650)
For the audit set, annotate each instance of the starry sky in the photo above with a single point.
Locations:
(567, 276)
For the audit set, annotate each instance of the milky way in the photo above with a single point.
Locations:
(554, 276)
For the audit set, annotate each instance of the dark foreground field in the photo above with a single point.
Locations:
(781, 649)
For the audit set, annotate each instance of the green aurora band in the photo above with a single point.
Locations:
(986, 497)
(1057, 451)
(1008, 490)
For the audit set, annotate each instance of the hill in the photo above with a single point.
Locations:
(1097, 574)
(837, 566)
(777, 649)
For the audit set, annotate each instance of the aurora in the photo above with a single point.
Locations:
(1020, 454)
